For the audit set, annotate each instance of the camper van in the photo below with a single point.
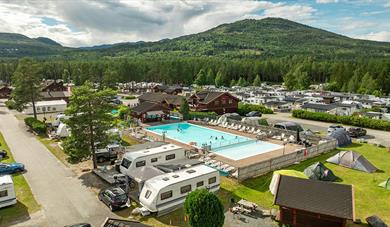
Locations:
(7, 191)
(151, 157)
(167, 191)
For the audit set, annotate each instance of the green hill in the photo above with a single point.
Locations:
(269, 37)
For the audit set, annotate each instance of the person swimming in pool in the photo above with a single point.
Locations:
(222, 138)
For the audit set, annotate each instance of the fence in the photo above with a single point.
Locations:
(272, 164)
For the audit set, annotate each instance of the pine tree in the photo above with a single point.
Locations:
(201, 78)
(219, 79)
(257, 81)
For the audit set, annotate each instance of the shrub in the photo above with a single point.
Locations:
(130, 97)
(244, 108)
(263, 122)
(204, 209)
(347, 120)
(203, 115)
(10, 104)
(36, 125)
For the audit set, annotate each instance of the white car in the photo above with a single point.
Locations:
(333, 128)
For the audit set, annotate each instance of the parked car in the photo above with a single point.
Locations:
(3, 154)
(115, 198)
(356, 132)
(110, 152)
(10, 168)
(289, 125)
(335, 127)
(80, 225)
(253, 114)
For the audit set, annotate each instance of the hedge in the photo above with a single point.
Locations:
(203, 115)
(357, 121)
(244, 108)
(36, 125)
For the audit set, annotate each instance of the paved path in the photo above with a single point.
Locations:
(373, 136)
(63, 197)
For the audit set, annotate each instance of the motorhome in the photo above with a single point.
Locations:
(7, 191)
(169, 191)
(151, 157)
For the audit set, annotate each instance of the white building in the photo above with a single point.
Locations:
(51, 106)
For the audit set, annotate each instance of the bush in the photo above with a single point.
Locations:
(203, 115)
(130, 97)
(204, 209)
(36, 125)
(10, 104)
(244, 108)
(347, 120)
(263, 122)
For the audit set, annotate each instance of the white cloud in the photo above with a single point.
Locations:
(376, 36)
(84, 23)
(326, 1)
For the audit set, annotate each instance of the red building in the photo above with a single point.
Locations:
(314, 203)
(5, 92)
(213, 101)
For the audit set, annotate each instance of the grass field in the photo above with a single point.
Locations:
(369, 198)
(26, 202)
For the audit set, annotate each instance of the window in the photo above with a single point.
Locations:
(126, 163)
(147, 194)
(166, 195)
(153, 160)
(140, 163)
(230, 101)
(170, 157)
(54, 109)
(185, 189)
(3, 193)
(199, 184)
(48, 108)
(212, 180)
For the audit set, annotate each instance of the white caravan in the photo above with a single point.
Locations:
(7, 191)
(167, 191)
(150, 157)
(62, 131)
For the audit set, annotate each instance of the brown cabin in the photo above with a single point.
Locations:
(150, 111)
(169, 101)
(5, 92)
(54, 90)
(213, 101)
(304, 203)
(53, 85)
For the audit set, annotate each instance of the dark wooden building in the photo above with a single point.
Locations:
(305, 203)
(150, 111)
(54, 90)
(5, 92)
(213, 101)
(172, 90)
(167, 100)
(53, 85)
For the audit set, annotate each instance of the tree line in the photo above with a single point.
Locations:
(368, 76)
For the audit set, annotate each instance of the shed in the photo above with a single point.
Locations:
(341, 137)
(314, 203)
(353, 160)
(318, 171)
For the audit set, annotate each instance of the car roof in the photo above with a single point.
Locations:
(116, 191)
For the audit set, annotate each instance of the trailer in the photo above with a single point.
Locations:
(7, 191)
(51, 106)
(168, 191)
(151, 157)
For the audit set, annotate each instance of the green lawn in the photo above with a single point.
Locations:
(26, 202)
(369, 198)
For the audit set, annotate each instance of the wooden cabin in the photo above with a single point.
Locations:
(213, 101)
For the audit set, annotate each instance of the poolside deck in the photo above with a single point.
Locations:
(288, 148)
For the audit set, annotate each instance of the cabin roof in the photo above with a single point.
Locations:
(179, 176)
(149, 151)
(316, 196)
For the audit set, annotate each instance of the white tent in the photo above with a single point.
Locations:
(62, 130)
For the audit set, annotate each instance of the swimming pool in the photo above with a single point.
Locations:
(226, 144)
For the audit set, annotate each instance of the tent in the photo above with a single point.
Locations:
(63, 130)
(275, 178)
(341, 136)
(353, 160)
(318, 171)
(385, 184)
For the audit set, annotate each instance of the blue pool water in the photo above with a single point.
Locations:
(225, 144)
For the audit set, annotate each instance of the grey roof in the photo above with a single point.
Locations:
(319, 106)
(316, 196)
(160, 97)
(147, 106)
(209, 96)
(55, 94)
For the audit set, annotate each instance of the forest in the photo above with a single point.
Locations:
(363, 75)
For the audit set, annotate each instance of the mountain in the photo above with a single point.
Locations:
(265, 38)
(17, 45)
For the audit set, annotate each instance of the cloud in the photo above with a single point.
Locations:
(84, 23)
(326, 1)
(376, 36)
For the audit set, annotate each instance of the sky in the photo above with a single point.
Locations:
(77, 23)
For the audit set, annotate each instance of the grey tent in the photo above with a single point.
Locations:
(353, 160)
(318, 171)
(375, 221)
(385, 184)
(342, 137)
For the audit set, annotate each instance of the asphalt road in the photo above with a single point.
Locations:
(63, 197)
(373, 136)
